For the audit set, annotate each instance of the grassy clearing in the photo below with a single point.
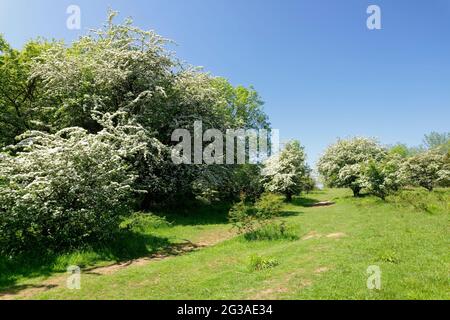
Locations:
(327, 259)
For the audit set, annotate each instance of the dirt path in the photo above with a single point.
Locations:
(27, 291)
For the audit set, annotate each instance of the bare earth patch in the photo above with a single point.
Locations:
(323, 204)
(282, 286)
(26, 291)
(316, 235)
(336, 235)
(321, 270)
(312, 235)
(269, 293)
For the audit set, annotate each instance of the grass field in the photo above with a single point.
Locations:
(327, 258)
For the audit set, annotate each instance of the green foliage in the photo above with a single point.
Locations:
(271, 232)
(247, 182)
(420, 200)
(244, 217)
(142, 222)
(247, 218)
(269, 206)
(308, 182)
(259, 263)
(382, 178)
(389, 256)
(437, 141)
(20, 95)
(400, 150)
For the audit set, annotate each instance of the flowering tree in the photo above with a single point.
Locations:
(120, 67)
(106, 106)
(381, 178)
(69, 188)
(342, 165)
(285, 172)
(427, 170)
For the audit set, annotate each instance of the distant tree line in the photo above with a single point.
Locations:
(364, 164)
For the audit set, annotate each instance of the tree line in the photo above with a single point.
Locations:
(85, 132)
(364, 164)
(86, 139)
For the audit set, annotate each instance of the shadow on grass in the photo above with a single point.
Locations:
(126, 246)
(287, 213)
(304, 202)
(201, 214)
(17, 289)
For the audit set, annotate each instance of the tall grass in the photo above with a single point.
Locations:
(435, 202)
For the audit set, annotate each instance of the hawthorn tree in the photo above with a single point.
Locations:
(285, 173)
(120, 67)
(69, 188)
(427, 170)
(342, 164)
(95, 120)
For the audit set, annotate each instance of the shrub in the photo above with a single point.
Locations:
(120, 67)
(248, 218)
(308, 182)
(243, 217)
(259, 263)
(247, 182)
(269, 206)
(421, 200)
(143, 222)
(382, 178)
(389, 256)
(272, 231)
(67, 189)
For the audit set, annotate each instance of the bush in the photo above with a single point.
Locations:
(65, 190)
(382, 178)
(243, 217)
(248, 218)
(247, 182)
(143, 222)
(259, 263)
(269, 206)
(271, 232)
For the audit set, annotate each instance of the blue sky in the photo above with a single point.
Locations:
(320, 71)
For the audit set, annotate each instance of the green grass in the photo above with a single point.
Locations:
(193, 225)
(407, 237)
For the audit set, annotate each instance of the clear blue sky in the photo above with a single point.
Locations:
(321, 72)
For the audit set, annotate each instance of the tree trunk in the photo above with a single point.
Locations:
(356, 191)
(289, 197)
